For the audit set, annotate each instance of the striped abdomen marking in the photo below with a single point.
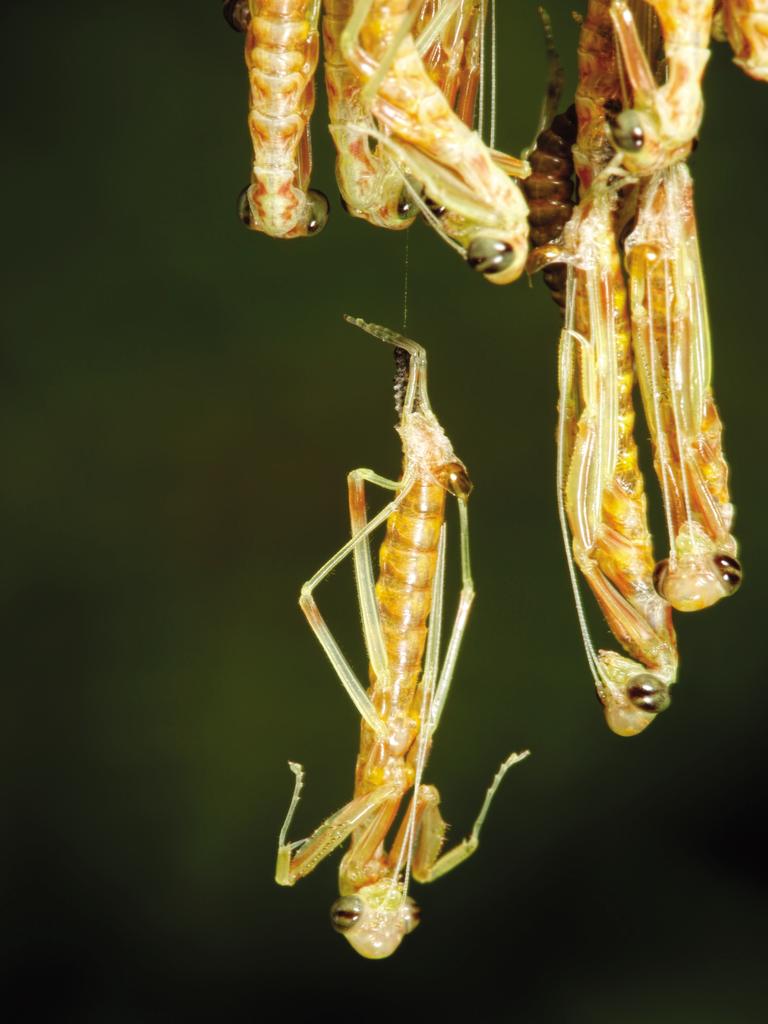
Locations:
(407, 561)
(550, 193)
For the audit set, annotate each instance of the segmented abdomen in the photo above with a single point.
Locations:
(407, 560)
(281, 53)
(598, 93)
(550, 193)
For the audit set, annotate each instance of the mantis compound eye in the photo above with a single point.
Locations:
(244, 208)
(648, 693)
(453, 477)
(237, 14)
(346, 912)
(659, 575)
(318, 211)
(490, 255)
(628, 131)
(729, 571)
(405, 205)
(436, 209)
(411, 915)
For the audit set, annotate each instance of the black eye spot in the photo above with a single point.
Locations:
(346, 911)
(489, 255)
(319, 208)
(648, 693)
(436, 209)
(659, 575)
(627, 132)
(244, 208)
(405, 205)
(729, 570)
(237, 14)
(412, 915)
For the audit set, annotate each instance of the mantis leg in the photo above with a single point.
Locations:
(641, 77)
(428, 36)
(430, 829)
(366, 592)
(466, 599)
(308, 605)
(291, 866)
(350, 37)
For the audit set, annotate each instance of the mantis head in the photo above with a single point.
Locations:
(638, 136)
(375, 919)
(697, 581)
(631, 696)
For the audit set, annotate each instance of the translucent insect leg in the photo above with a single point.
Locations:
(366, 588)
(425, 39)
(385, 62)
(402, 852)
(512, 165)
(295, 860)
(638, 70)
(350, 40)
(423, 829)
(428, 865)
(308, 605)
(466, 600)
(368, 841)
(298, 785)
(432, 653)
(565, 430)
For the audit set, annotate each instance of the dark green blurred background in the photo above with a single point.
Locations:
(180, 403)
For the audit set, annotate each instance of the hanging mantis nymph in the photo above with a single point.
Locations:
(600, 486)
(601, 493)
(670, 333)
(402, 617)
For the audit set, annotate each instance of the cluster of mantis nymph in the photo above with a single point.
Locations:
(602, 204)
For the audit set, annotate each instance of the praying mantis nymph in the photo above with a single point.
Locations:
(402, 617)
